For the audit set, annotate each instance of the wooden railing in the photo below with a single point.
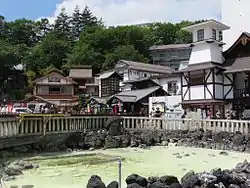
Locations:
(50, 125)
(11, 127)
(215, 125)
(239, 93)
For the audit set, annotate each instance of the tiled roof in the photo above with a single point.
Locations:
(100, 100)
(106, 74)
(136, 95)
(246, 33)
(169, 46)
(148, 67)
(80, 73)
(237, 65)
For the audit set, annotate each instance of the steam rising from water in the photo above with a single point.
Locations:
(156, 161)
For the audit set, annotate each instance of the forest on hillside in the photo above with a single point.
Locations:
(78, 39)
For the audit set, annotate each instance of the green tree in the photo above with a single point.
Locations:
(8, 57)
(83, 54)
(79, 39)
(43, 27)
(22, 31)
(181, 35)
(89, 19)
(123, 52)
(51, 51)
(77, 24)
(97, 45)
(62, 23)
(80, 20)
(3, 29)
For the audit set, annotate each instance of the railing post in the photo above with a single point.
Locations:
(120, 172)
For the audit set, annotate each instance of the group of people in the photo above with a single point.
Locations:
(229, 114)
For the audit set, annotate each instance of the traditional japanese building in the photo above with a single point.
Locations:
(237, 70)
(203, 83)
(109, 83)
(54, 88)
(139, 75)
(132, 71)
(87, 83)
(174, 56)
(135, 101)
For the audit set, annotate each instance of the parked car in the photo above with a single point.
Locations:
(22, 111)
(36, 107)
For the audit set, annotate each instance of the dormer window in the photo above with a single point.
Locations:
(200, 35)
(214, 34)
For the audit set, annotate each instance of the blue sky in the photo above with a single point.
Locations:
(31, 9)
(115, 12)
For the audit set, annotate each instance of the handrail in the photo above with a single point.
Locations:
(25, 126)
(2, 184)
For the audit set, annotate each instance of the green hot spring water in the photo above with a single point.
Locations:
(74, 169)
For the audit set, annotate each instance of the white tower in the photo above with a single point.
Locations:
(235, 13)
(206, 42)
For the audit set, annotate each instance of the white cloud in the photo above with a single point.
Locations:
(120, 12)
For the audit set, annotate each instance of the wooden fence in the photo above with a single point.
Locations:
(16, 127)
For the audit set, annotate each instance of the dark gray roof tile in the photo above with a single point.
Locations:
(136, 95)
(169, 47)
(237, 64)
(148, 67)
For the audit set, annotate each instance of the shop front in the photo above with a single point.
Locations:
(207, 109)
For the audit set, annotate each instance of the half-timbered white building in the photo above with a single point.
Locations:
(203, 83)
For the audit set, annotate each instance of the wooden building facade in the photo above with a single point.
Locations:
(109, 83)
(237, 65)
(55, 88)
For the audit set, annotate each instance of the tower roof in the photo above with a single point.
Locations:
(220, 26)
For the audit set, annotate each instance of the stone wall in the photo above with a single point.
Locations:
(104, 139)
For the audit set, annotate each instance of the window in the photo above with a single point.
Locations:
(195, 80)
(214, 34)
(54, 90)
(200, 35)
(66, 89)
(172, 87)
(220, 36)
(42, 89)
(96, 89)
(145, 75)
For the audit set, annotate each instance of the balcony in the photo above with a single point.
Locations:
(242, 93)
(92, 82)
